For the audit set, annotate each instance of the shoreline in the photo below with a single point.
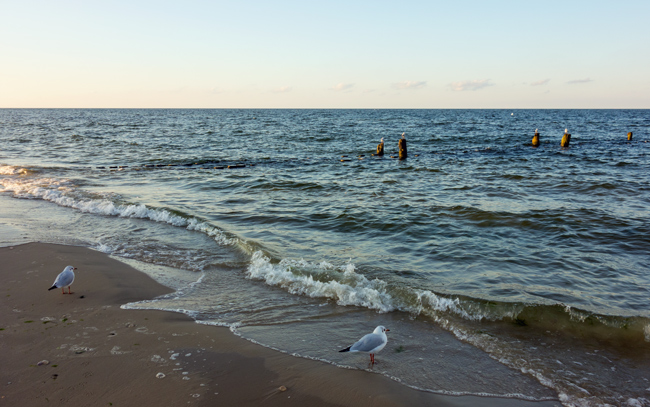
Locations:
(100, 354)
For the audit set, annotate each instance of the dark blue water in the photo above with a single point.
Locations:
(477, 233)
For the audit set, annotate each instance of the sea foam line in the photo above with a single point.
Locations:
(346, 287)
(11, 170)
(62, 193)
(353, 289)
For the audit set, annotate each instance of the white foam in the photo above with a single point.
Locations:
(104, 248)
(429, 301)
(634, 402)
(64, 193)
(353, 289)
(11, 170)
(216, 234)
(343, 285)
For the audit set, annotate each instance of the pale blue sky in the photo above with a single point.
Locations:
(330, 54)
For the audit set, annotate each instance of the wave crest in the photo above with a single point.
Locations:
(342, 285)
(11, 170)
(65, 193)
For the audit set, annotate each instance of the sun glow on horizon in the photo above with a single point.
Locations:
(334, 55)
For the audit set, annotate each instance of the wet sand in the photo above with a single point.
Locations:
(94, 353)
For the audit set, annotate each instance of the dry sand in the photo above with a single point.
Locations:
(97, 354)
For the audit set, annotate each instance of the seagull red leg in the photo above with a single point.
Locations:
(62, 290)
(69, 292)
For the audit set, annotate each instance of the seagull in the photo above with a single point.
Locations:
(64, 279)
(370, 343)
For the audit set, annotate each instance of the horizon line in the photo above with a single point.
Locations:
(330, 108)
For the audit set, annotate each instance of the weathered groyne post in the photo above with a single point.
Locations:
(629, 136)
(402, 147)
(566, 138)
(536, 139)
(380, 148)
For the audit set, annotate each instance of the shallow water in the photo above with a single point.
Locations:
(532, 259)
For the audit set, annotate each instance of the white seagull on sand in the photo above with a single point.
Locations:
(371, 343)
(64, 279)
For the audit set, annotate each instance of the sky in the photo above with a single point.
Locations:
(327, 54)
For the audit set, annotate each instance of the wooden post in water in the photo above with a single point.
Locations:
(536, 139)
(566, 139)
(629, 136)
(401, 145)
(380, 148)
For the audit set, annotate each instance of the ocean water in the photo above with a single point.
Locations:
(501, 269)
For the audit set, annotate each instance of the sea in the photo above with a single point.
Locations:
(499, 268)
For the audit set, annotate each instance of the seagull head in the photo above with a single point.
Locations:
(380, 329)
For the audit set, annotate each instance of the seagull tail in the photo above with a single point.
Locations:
(52, 288)
(346, 349)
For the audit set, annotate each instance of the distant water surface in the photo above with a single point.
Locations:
(485, 256)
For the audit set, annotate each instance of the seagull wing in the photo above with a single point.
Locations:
(64, 279)
(368, 343)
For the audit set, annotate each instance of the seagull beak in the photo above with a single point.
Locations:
(387, 330)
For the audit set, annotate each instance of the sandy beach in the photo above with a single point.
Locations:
(84, 350)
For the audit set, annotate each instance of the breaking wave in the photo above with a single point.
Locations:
(66, 193)
(345, 286)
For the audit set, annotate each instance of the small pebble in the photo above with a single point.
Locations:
(160, 375)
(43, 362)
(282, 388)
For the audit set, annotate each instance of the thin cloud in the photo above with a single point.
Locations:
(541, 82)
(577, 81)
(283, 89)
(342, 87)
(410, 85)
(470, 85)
